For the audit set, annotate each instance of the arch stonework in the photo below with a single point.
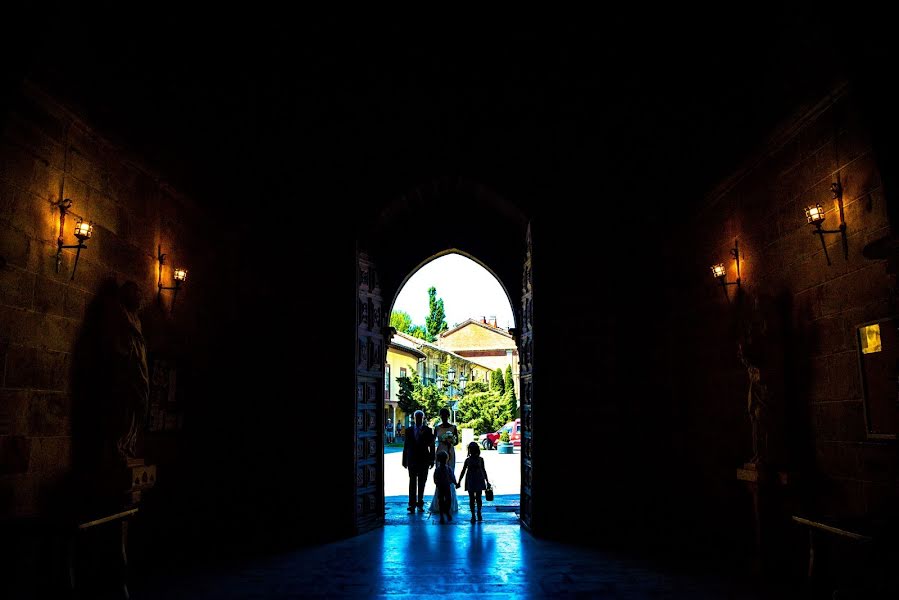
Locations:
(447, 215)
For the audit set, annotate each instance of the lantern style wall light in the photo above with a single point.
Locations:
(83, 232)
(720, 273)
(815, 216)
(178, 274)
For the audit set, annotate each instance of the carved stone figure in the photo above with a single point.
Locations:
(757, 353)
(126, 355)
(756, 406)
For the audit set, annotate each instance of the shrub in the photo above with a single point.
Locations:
(504, 437)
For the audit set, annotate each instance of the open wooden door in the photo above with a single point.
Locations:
(368, 427)
(526, 377)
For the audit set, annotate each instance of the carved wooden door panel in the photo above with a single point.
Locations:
(526, 378)
(368, 428)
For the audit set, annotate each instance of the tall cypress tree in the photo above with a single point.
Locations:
(510, 400)
(496, 382)
(435, 322)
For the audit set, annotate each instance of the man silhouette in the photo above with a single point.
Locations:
(418, 457)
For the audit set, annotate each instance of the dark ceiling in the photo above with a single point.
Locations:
(220, 101)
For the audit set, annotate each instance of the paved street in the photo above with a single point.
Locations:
(504, 471)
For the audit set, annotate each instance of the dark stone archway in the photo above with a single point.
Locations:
(451, 215)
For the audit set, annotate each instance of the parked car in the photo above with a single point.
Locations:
(489, 441)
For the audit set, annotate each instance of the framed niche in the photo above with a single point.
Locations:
(164, 412)
(877, 345)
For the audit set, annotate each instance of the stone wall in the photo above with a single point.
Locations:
(47, 154)
(801, 311)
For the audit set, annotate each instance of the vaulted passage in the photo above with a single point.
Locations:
(206, 221)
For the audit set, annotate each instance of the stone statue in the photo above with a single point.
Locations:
(129, 389)
(756, 406)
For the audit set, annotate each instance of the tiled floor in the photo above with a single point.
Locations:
(414, 557)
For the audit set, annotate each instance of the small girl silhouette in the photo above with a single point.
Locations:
(477, 480)
(444, 478)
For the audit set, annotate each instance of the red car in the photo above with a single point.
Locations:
(489, 441)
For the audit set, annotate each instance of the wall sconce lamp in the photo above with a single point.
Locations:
(179, 275)
(815, 216)
(83, 232)
(720, 272)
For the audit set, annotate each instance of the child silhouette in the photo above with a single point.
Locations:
(444, 478)
(477, 480)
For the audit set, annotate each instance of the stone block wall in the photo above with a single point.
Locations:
(804, 313)
(47, 154)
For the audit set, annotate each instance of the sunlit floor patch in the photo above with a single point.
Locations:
(504, 510)
(494, 559)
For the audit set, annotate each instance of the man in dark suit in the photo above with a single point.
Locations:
(418, 458)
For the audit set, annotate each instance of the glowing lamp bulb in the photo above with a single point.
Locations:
(718, 270)
(83, 230)
(814, 214)
(180, 275)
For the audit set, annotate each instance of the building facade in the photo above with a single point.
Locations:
(402, 360)
(486, 343)
(406, 354)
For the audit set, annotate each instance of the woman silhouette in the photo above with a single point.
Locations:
(447, 437)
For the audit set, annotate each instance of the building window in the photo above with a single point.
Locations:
(402, 371)
(387, 382)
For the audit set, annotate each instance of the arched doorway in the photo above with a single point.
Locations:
(453, 348)
(499, 235)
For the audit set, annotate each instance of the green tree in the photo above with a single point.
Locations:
(496, 382)
(409, 393)
(401, 321)
(419, 332)
(412, 395)
(509, 398)
(476, 387)
(482, 411)
(435, 322)
(432, 400)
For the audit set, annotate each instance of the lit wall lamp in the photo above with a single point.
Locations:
(179, 275)
(720, 272)
(83, 231)
(815, 216)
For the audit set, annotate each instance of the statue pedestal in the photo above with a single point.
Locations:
(754, 475)
(763, 485)
(141, 477)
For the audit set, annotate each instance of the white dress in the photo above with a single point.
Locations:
(451, 451)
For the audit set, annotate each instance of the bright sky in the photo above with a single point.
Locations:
(468, 291)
